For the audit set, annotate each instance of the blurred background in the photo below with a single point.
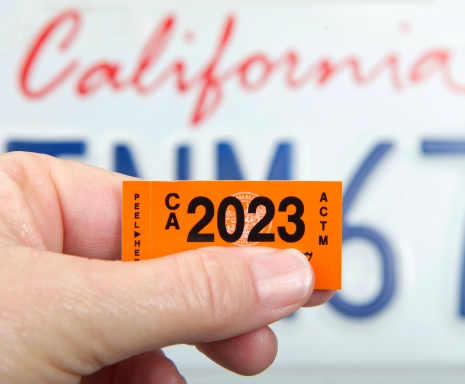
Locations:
(368, 92)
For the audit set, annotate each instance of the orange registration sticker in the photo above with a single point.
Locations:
(161, 218)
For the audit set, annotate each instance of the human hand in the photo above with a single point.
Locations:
(70, 314)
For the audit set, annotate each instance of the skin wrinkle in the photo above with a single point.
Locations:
(187, 285)
(207, 296)
(23, 320)
(8, 203)
(54, 313)
(141, 308)
(24, 222)
(151, 303)
(30, 327)
(212, 294)
(17, 174)
(60, 210)
(74, 305)
(28, 233)
(59, 199)
(194, 287)
(36, 185)
(91, 283)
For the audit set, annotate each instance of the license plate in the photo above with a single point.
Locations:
(370, 93)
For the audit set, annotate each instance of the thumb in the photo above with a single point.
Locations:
(196, 296)
(124, 309)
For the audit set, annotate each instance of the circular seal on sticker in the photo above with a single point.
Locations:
(250, 219)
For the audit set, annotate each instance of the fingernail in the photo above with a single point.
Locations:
(282, 278)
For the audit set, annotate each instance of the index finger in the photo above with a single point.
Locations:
(62, 205)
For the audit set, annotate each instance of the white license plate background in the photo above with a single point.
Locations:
(412, 198)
